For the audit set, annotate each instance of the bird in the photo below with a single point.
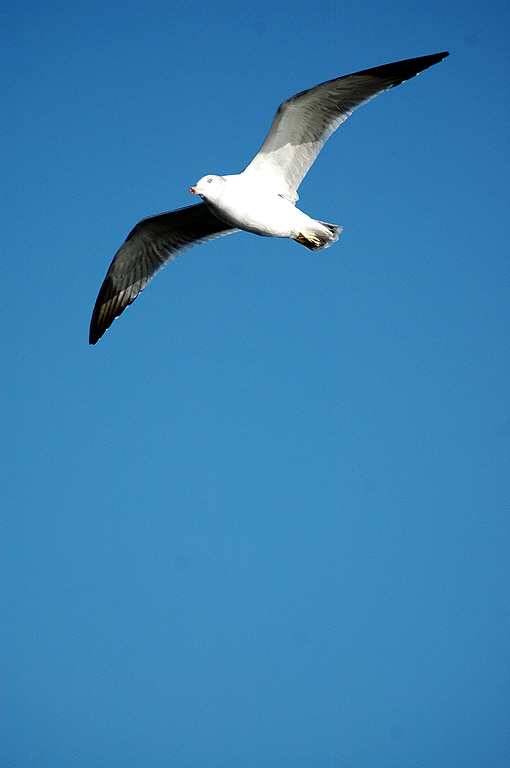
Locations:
(261, 199)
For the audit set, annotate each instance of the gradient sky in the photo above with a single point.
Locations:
(265, 520)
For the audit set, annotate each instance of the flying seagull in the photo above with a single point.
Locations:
(261, 199)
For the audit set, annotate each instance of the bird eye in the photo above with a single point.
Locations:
(209, 180)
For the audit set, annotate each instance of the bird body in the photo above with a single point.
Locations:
(237, 201)
(261, 199)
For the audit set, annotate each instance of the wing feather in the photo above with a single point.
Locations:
(304, 122)
(151, 244)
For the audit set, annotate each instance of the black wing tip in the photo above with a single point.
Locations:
(400, 71)
(104, 315)
(97, 329)
(105, 311)
(100, 323)
(94, 335)
(423, 62)
(434, 58)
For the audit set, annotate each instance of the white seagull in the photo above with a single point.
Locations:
(261, 199)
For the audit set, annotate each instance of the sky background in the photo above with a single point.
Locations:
(265, 520)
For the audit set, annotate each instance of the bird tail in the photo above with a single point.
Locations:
(321, 237)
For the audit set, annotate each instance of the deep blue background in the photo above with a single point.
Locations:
(265, 521)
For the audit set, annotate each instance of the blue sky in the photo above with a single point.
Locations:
(265, 520)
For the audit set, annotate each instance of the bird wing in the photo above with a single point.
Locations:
(149, 246)
(304, 123)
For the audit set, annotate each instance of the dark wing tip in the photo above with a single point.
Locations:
(400, 71)
(97, 330)
(106, 309)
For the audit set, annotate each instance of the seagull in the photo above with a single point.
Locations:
(262, 199)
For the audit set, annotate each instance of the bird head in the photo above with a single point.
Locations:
(209, 187)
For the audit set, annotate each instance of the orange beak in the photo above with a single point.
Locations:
(193, 190)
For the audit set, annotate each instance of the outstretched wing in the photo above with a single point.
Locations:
(304, 122)
(148, 247)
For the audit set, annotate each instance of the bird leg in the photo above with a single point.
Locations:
(309, 241)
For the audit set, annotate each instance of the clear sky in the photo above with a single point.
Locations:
(265, 520)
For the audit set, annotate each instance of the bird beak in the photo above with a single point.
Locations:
(193, 190)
